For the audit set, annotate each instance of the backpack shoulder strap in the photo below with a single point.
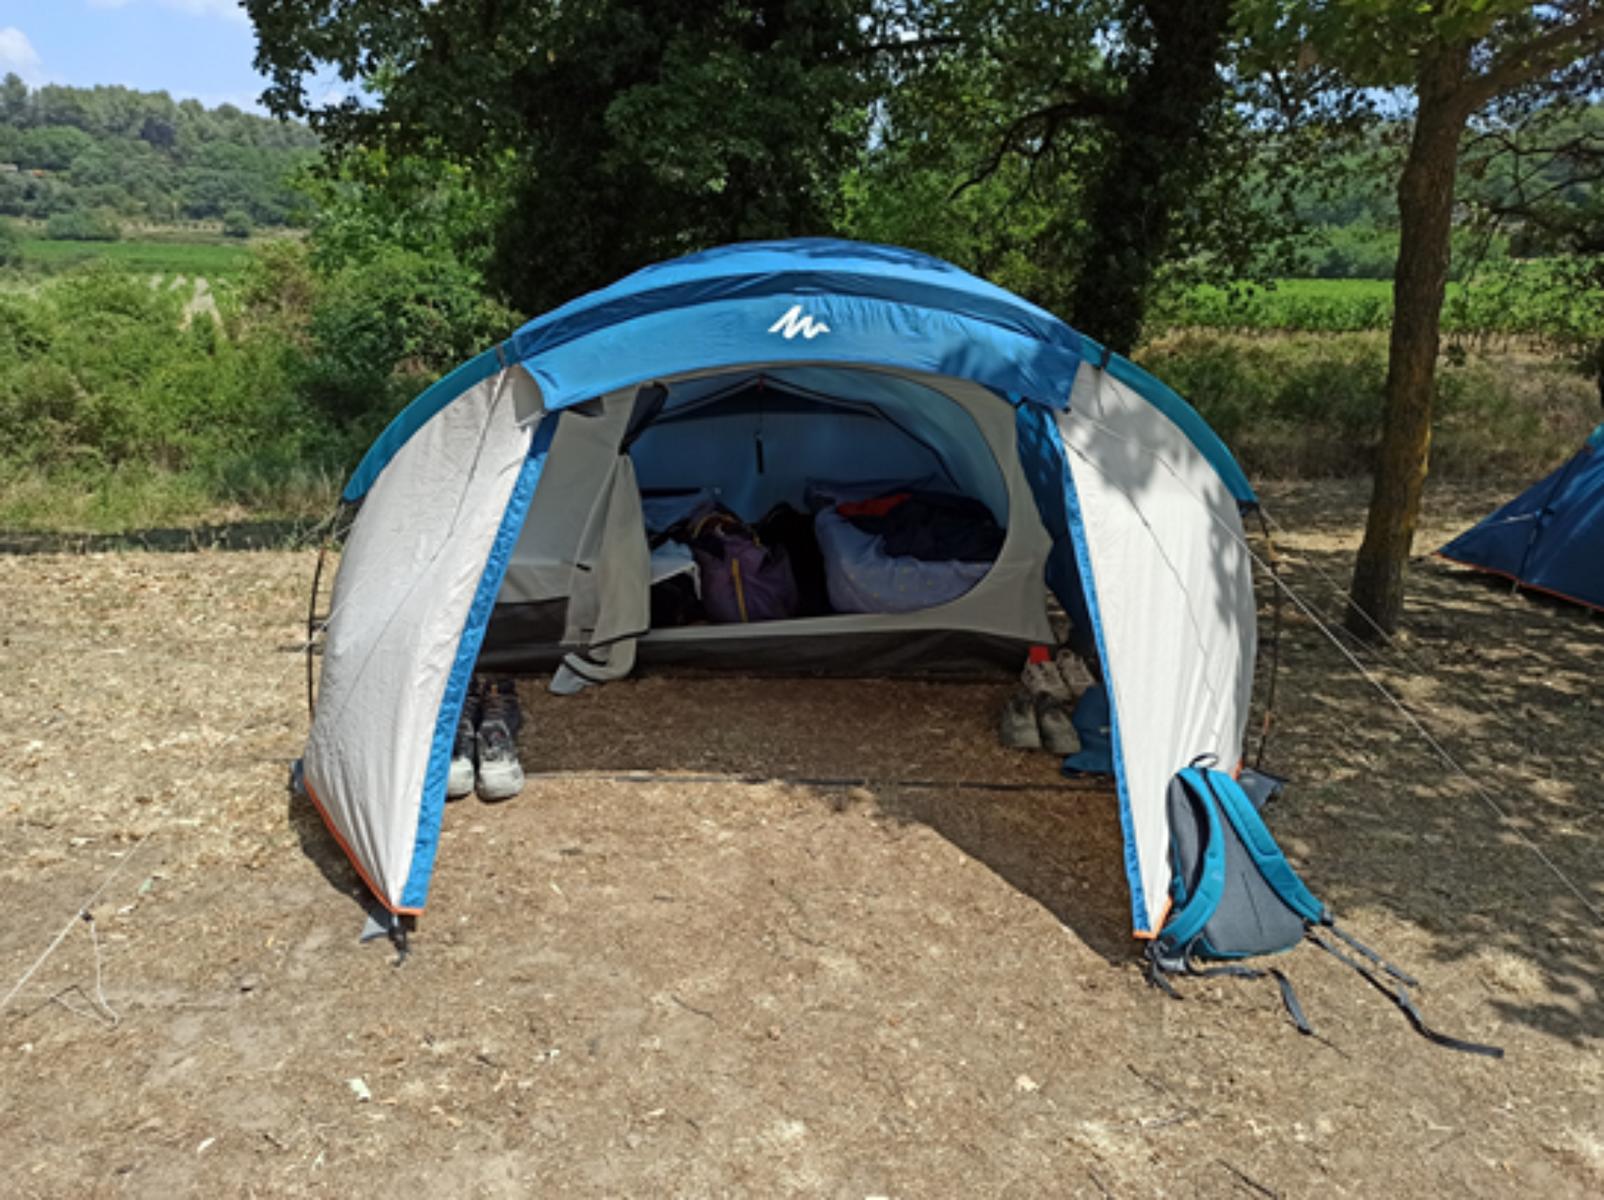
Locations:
(1261, 846)
(1197, 903)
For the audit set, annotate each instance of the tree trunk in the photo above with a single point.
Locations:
(1158, 151)
(1425, 223)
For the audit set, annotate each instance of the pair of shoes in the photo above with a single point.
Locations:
(1037, 714)
(1039, 722)
(484, 754)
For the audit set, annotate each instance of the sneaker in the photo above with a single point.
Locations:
(1056, 729)
(1041, 676)
(460, 781)
(1077, 675)
(500, 775)
(1018, 727)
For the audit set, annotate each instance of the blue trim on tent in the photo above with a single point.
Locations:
(860, 331)
(807, 266)
(1164, 398)
(432, 807)
(415, 416)
(1083, 560)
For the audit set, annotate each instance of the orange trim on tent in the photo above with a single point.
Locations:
(1143, 935)
(1519, 582)
(378, 892)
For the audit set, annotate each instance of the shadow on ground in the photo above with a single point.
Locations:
(1496, 858)
(233, 535)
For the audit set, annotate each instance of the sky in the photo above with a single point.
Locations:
(187, 48)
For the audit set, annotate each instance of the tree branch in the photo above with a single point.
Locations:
(1546, 52)
(1050, 119)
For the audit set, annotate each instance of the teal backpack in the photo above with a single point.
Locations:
(1234, 896)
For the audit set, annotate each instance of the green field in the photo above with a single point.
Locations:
(157, 257)
(1527, 300)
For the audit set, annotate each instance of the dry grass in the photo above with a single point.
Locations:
(710, 984)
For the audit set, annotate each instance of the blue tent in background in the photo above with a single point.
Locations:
(1550, 538)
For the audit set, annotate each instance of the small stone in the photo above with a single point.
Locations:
(359, 1089)
(1026, 1084)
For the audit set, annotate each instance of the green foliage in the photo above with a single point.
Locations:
(1530, 300)
(111, 384)
(237, 223)
(144, 156)
(383, 330)
(1305, 406)
(372, 199)
(83, 225)
(10, 245)
(631, 132)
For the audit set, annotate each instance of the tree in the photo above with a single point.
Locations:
(621, 132)
(1159, 151)
(1453, 58)
(1095, 152)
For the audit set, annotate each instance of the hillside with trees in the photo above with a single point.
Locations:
(78, 158)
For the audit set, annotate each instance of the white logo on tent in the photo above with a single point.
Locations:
(796, 321)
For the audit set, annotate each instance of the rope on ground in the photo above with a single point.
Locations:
(1419, 727)
(85, 911)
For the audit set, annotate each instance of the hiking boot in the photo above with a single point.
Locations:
(1041, 676)
(460, 780)
(1018, 727)
(1056, 729)
(500, 775)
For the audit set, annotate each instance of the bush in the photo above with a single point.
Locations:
(1300, 407)
(383, 330)
(82, 225)
(236, 224)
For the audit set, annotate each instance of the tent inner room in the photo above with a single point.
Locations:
(799, 518)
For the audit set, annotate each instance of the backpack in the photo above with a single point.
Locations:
(1234, 896)
(742, 578)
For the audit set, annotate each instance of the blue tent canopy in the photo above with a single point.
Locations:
(1551, 537)
(800, 301)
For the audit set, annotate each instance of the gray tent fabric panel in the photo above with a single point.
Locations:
(608, 606)
(407, 577)
(575, 474)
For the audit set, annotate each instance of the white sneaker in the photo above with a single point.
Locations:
(1041, 676)
(1076, 674)
(501, 776)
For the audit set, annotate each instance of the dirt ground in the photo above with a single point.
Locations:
(676, 967)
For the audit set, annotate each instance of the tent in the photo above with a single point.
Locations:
(504, 510)
(1550, 538)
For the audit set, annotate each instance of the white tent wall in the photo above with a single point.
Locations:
(408, 576)
(1161, 540)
